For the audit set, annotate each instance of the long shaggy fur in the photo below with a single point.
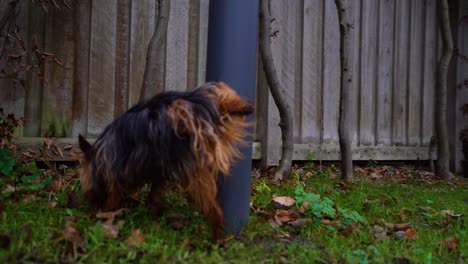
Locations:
(185, 139)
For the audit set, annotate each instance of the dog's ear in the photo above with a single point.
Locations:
(85, 146)
(231, 103)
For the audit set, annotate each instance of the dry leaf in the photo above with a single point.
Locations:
(300, 222)
(72, 235)
(136, 238)
(450, 243)
(110, 230)
(109, 216)
(68, 147)
(304, 207)
(48, 142)
(52, 204)
(285, 216)
(410, 234)
(282, 202)
(58, 150)
(9, 189)
(397, 227)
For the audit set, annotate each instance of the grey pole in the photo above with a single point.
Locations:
(231, 57)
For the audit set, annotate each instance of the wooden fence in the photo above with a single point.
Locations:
(396, 47)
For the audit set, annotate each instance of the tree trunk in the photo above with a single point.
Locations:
(443, 155)
(122, 54)
(155, 46)
(286, 121)
(344, 126)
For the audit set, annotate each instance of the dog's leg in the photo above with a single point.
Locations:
(204, 198)
(154, 200)
(113, 202)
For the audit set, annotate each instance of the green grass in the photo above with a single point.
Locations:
(36, 232)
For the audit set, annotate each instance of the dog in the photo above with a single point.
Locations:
(183, 139)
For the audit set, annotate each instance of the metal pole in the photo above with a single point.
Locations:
(231, 57)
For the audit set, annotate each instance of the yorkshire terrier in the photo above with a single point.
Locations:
(183, 139)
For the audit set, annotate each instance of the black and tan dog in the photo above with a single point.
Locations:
(184, 139)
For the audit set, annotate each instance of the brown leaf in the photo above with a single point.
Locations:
(304, 207)
(110, 230)
(70, 175)
(52, 204)
(397, 227)
(9, 189)
(136, 238)
(410, 234)
(284, 200)
(57, 185)
(450, 243)
(72, 235)
(177, 221)
(68, 147)
(300, 222)
(110, 216)
(48, 142)
(58, 150)
(284, 216)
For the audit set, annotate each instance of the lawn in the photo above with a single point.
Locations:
(387, 214)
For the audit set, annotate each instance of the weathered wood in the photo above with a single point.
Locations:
(34, 88)
(142, 28)
(203, 40)
(102, 66)
(122, 57)
(177, 46)
(193, 42)
(414, 94)
(330, 64)
(329, 152)
(385, 72)
(400, 71)
(461, 98)
(82, 35)
(369, 65)
(429, 72)
(311, 103)
(57, 98)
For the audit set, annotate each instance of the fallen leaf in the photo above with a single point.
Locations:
(110, 230)
(281, 202)
(285, 216)
(410, 234)
(304, 207)
(177, 221)
(68, 147)
(70, 175)
(379, 232)
(71, 234)
(56, 185)
(300, 222)
(135, 238)
(52, 204)
(397, 227)
(58, 150)
(110, 215)
(9, 189)
(48, 142)
(399, 234)
(450, 243)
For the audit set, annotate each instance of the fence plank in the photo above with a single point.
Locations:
(414, 93)
(400, 71)
(203, 40)
(141, 31)
(311, 121)
(177, 46)
(193, 42)
(429, 72)
(57, 97)
(34, 87)
(102, 65)
(384, 94)
(331, 66)
(369, 38)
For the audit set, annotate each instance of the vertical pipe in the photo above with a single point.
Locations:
(231, 57)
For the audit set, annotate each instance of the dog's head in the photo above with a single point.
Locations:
(229, 102)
